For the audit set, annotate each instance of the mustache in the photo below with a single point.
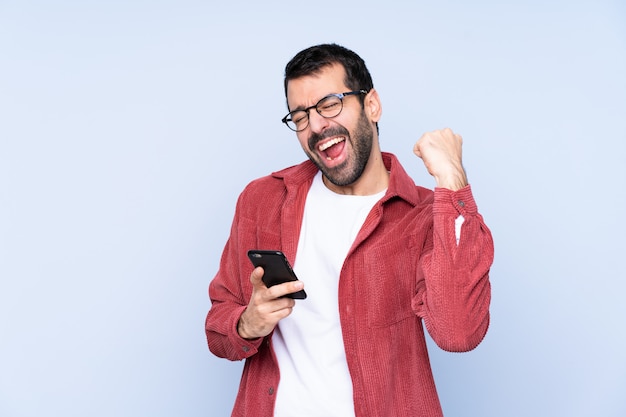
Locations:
(316, 138)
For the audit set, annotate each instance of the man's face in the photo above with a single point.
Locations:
(339, 146)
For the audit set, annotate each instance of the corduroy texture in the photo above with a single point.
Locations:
(403, 268)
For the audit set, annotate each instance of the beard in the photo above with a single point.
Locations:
(351, 169)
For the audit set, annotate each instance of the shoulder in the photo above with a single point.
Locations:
(271, 187)
(402, 185)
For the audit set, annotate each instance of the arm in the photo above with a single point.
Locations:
(243, 309)
(454, 295)
(228, 301)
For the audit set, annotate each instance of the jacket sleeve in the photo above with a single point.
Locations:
(454, 295)
(230, 292)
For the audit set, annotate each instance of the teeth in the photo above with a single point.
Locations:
(330, 143)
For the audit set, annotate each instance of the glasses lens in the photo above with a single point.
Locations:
(297, 120)
(329, 106)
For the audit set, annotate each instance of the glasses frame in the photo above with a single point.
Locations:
(340, 96)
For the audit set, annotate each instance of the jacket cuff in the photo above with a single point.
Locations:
(454, 202)
(244, 347)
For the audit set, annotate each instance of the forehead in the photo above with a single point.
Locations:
(308, 90)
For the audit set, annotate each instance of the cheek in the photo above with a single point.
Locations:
(351, 119)
(303, 140)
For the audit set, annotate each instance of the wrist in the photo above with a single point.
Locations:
(241, 329)
(452, 182)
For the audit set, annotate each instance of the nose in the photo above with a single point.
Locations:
(317, 123)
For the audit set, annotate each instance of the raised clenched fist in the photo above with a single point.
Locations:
(441, 151)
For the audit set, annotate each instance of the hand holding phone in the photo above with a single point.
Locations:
(264, 309)
(277, 269)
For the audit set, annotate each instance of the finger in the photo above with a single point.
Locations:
(447, 132)
(285, 288)
(282, 313)
(417, 148)
(271, 311)
(282, 304)
(256, 277)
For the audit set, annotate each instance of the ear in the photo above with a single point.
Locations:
(372, 106)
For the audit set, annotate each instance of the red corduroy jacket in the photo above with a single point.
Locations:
(403, 269)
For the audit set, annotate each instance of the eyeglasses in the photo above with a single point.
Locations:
(328, 107)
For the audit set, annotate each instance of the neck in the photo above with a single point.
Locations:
(374, 179)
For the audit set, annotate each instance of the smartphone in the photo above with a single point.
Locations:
(277, 269)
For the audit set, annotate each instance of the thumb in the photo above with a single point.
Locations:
(417, 149)
(255, 277)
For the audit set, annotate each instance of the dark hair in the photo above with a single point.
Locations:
(312, 60)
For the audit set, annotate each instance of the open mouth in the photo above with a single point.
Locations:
(333, 148)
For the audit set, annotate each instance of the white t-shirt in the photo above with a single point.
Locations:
(314, 376)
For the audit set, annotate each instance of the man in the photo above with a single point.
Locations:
(378, 254)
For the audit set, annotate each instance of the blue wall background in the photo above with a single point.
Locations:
(128, 128)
